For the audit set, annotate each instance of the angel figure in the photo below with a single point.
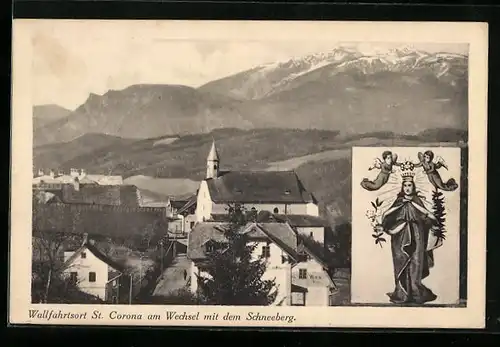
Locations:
(385, 165)
(430, 168)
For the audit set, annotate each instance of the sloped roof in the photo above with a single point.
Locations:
(301, 220)
(86, 180)
(110, 221)
(258, 187)
(219, 217)
(200, 234)
(191, 203)
(302, 248)
(126, 195)
(105, 179)
(177, 204)
(280, 234)
(98, 254)
(45, 179)
(298, 289)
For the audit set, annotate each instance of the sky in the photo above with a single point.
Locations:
(68, 65)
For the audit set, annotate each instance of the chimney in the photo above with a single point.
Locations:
(76, 184)
(60, 172)
(83, 173)
(40, 172)
(51, 174)
(74, 173)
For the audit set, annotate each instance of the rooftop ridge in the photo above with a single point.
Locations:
(97, 207)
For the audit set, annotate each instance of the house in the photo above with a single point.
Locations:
(181, 215)
(95, 273)
(76, 192)
(300, 274)
(306, 225)
(173, 206)
(279, 192)
(312, 280)
(75, 174)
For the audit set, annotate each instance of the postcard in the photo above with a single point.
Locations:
(248, 174)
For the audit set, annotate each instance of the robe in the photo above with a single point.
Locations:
(409, 224)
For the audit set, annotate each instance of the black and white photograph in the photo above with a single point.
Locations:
(170, 169)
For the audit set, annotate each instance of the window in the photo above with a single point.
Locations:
(210, 247)
(215, 167)
(84, 255)
(92, 277)
(311, 234)
(73, 277)
(191, 225)
(302, 274)
(276, 210)
(266, 251)
(254, 209)
(298, 299)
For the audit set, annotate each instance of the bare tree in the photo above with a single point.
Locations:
(49, 246)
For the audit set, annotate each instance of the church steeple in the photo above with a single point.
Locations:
(213, 162)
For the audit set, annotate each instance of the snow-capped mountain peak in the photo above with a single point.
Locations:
(271, 78)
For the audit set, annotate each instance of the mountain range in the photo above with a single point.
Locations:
(405, 91)
(174, 166)
(46, 114)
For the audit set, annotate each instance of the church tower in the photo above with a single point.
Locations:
(213, 162)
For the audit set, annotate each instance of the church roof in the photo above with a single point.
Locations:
(258, 187)
(213, 155)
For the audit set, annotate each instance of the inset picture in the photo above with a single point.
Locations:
(406, 226)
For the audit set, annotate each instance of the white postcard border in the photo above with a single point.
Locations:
(473, 316)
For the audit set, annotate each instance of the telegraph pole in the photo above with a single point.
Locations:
(130, 290)
(161, 256)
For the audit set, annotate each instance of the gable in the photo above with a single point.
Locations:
(91, 250)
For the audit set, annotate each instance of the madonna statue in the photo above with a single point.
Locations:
(409, 224)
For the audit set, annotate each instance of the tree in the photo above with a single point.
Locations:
(49, 245)
(340, 242)
(234, 276)
(439, 213)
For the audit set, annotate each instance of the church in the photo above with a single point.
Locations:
(279, 192)
(299, 267)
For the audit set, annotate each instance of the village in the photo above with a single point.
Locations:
(96, 241)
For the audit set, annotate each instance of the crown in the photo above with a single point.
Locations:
(407, 172)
